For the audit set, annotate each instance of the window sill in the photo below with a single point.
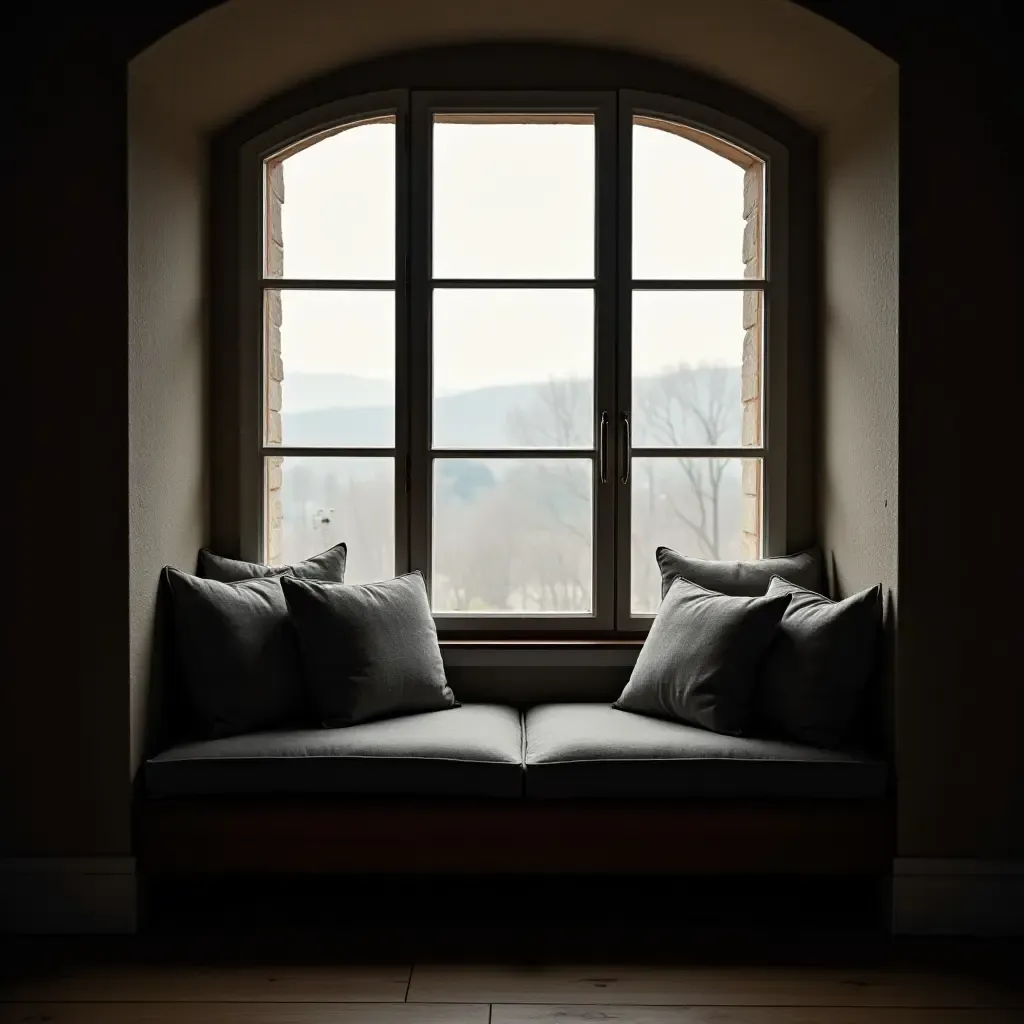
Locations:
(583, 644)
(540, 653)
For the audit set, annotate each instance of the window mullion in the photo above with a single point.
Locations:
(605, 373)
(623, 355)
(418, 459)
(403, 345)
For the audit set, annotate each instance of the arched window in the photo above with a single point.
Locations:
(515, 341)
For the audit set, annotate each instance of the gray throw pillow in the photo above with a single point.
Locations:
(740, 579)
(699, 662)
(816, 672)
(368, 650)
(236, 653)
(328, 565)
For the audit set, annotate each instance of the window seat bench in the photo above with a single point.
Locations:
(576, 787)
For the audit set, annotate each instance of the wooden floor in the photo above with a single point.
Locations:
(97, 982)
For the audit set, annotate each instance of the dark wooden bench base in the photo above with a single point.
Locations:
(343, 835)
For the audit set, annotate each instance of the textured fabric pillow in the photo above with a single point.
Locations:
(699, 662)
(368, 650)
(236, 653)
(816, 672)
(328, 565)
(740, 579)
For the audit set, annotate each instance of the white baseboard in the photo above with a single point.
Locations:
(67, 895)
(957, 897)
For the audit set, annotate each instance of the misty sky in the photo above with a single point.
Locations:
(509, 201)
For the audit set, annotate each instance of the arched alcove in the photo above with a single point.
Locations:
(795, 76)
(94, 359)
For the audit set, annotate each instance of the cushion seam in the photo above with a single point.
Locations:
(698, 757)
(321, 757)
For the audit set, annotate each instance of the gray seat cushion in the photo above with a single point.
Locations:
(475, 750)
(593, 750)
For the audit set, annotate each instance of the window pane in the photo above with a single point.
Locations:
(512, 536)
(513, 369)
(314, 503)
(330, 368)
(513, 199)
(696, 208)
(330, 205)
(705, 508)
(696, 370)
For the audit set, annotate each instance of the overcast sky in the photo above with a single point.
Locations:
(509, 201)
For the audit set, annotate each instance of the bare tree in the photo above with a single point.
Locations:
(682, 407)
(472, 572)
(560, 495)
(689, 407)
(323, 506)
(363, 516)
(551, 510)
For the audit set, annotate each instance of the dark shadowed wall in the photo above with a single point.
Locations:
(65, 760)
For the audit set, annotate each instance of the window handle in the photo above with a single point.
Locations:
(602, 446)
(627, 448)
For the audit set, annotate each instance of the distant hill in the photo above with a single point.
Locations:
(478, 418)
(308, 391)
(346, 410)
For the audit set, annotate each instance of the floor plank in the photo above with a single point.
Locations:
(707, 986)
(242, 1013)
(502, 1014)
(197, 983)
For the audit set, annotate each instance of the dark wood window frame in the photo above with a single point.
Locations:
(237, 168)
